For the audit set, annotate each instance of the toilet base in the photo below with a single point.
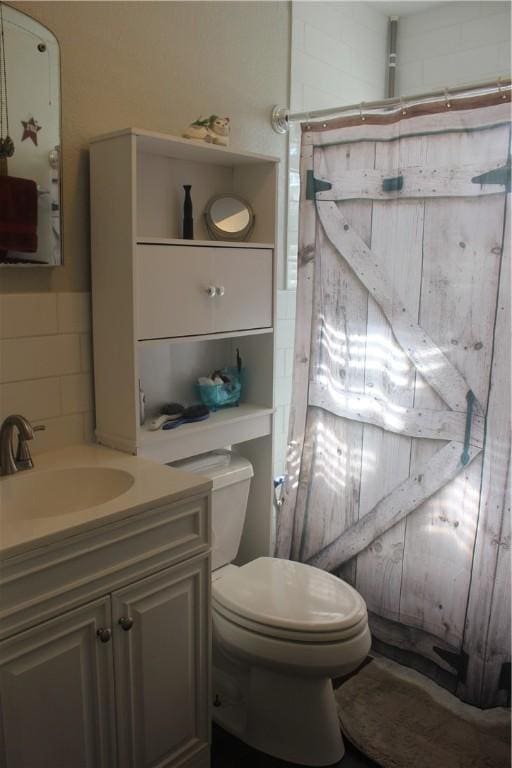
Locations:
(289, 717)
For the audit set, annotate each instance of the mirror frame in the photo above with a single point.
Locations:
(46, 265)
(219, 234)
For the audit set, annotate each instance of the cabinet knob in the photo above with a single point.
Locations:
(220, 290)
(211, 291)
(126, 622)
(104, 634)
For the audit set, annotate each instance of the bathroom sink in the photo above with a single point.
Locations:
(56, 492)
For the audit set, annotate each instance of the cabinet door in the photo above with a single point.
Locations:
(244, 279)
(162, 665)
(172, 291)
(57, 693)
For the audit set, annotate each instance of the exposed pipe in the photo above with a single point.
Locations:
(281, 116)
(392, 61)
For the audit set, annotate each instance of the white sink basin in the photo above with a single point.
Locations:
(34, 494)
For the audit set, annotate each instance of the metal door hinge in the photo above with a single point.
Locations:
(394, 184)
(459, 661)
(497, 176)
(315, 185)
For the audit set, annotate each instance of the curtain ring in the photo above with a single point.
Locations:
(361, 111)
(447, 101)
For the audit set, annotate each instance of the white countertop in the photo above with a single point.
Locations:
(153, 485)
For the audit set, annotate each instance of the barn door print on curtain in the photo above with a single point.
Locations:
(399, 451)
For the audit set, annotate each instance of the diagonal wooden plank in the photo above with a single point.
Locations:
(429, 360)
(442, 467)
(414, 422)
(416, 182)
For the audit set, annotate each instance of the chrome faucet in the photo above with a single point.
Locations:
(9, 462)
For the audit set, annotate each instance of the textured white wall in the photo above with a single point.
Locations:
(453, 43)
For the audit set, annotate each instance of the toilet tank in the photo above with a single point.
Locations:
(231, 477)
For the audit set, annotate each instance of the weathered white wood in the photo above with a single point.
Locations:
(428, 358)
(397, 236)
(418, 182)
(461, 255)
(442, 467)
(458, 296)
(411, 639)
(487, 625)
(459, 122)
(425, 422)
(496, 680)
(297, 423)
(331, 497)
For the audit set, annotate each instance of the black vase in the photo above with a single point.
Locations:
(188, 221)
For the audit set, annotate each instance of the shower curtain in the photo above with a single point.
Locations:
(398, 468)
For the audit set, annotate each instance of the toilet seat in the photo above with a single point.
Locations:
(290, 601)
(313, 636)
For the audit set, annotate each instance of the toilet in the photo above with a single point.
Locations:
(281, 631)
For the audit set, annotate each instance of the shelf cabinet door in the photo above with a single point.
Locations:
(244, 277)
(57, 693)
(171, 291)
(162, 683)
(173, 283)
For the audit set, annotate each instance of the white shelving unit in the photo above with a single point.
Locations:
(153, 320)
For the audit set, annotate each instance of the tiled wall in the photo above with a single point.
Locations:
(455, 43)
(45, 365)
(338, 57)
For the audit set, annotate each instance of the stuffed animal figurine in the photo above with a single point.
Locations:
(219, 130)
(198, 129)
(213, 130)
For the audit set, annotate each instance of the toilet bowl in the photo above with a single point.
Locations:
(281, 631)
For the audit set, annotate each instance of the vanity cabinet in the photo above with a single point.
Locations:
(161, 663)
(191, 290)
(57, 700)
(122, 680)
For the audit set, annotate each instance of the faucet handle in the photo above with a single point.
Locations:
(23, 458)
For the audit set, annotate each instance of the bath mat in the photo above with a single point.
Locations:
(401, 722)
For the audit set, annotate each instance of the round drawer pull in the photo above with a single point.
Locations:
(220, 290)
(211, 291)
(104, 634)
(126, 622)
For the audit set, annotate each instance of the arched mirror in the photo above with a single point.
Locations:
(30, 142)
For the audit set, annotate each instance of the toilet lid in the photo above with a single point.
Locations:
(288, 595)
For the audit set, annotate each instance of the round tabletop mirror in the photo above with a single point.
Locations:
(229, 217)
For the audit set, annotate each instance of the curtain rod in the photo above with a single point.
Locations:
(281, 117)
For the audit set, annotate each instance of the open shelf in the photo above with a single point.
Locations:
(211, 243)
(207, 336)
(167, 145)
(223, 427)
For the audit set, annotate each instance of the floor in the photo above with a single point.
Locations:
(229, 752)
